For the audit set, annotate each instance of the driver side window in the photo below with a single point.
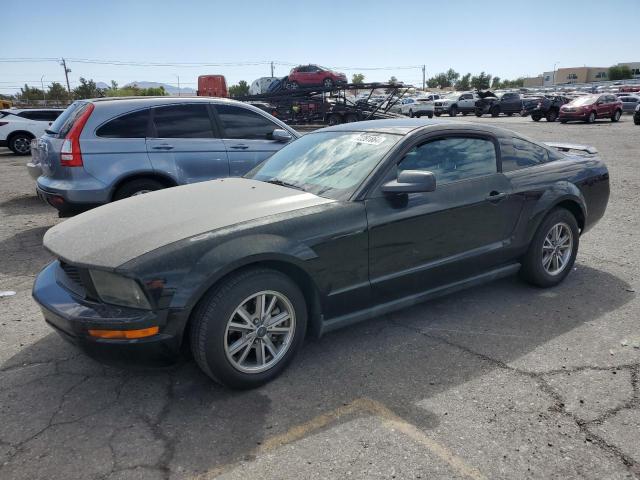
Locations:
(452, 159)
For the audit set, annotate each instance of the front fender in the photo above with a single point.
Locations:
(235, 254)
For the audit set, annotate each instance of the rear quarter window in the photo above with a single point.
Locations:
(518, 153)
(130, 125)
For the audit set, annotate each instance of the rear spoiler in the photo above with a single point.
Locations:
(566, 147)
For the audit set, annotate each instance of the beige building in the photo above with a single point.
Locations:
(533, 81)
(582, 74)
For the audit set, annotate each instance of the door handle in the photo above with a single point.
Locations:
(495, 197)
(239, 147)
(164, 146)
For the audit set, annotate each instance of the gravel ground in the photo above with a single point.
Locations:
(502, 381)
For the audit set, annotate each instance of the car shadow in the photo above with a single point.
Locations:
(23, 254)
(25, 205)
(57, 403)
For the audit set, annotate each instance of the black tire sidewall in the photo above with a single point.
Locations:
(13, 140)
(532, 269)
(129, 188)
(218, 311)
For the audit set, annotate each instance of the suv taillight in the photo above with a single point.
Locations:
(70, 154)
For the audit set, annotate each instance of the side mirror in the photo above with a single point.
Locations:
(280, 135)
(411, 181)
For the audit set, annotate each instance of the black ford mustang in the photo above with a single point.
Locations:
(342, 225)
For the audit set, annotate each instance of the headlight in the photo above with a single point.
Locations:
(119, 290)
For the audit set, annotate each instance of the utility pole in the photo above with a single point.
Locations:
(424, 73)
(271, 69)
(67, 71)
(179, 91)
(44, 96)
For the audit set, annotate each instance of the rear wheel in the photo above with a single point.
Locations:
(411, 113)
(430, 115)
(464, 114)
(616, 116)
(247, 329)
(591, 118)
(636, 120)
(478, 113)
(293, 85)
(335, 119)
(20, 143)
(437, 114)
(136, 187)
(327, 83)
(536, 118)
(553, 250)
(552, 115)
(509, 114)
(495, 111)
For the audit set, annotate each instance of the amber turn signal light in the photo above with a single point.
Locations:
(124, 334)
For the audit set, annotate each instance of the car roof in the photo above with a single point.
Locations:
(153, 100)
(405, 126)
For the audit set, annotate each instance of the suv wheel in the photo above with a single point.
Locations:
(20, 143)
(552, 116)
(327, 83)
(495, 111)
(536, 118)
(137, 187)
(335, 119)
(616, 116)
(591, 118)
(411, 113)
(246, 330)
(553, 250)
(453, 111)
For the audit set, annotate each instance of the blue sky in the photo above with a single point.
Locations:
(504, 38)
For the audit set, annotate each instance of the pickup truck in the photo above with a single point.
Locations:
(452, 104)
(507, 103)
(547, 106)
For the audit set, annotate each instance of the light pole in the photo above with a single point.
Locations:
(44, 96)
(179, 92)
(554, 73)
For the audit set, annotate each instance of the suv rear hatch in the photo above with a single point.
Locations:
(48, 148)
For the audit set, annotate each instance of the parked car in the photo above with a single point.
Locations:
(505, 102)
(547, 107)
(417, 107)
(19, 126)
(629, 103)
(455, 103)
(636, 115)
(344, 224)
(109, 149)
(314, 75)
(591, 107)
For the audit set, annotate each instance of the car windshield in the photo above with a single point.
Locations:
(328, 164)
(452, 96)
(586, 100)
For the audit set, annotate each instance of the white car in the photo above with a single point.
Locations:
(419, 106)
(19, 126)
(458, 102)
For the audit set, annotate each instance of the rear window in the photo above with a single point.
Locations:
(131, 125)
(518, 153)
(65, 121)
(40, 115)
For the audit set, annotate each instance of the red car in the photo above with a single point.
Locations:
(314, 75)
(590, 107)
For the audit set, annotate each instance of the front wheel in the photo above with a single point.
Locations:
(495, 111)
(552, 116)
(478, 114)
(553, 250)
(536, 118)
(247, 329)
(616, 116)
(437, 114)
(591, 118)
(327, 83)
(411, 113)
(453, 111)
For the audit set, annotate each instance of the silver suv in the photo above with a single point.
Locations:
(107, 149)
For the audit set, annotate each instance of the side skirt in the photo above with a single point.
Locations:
(378, 310)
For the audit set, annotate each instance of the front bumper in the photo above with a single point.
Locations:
(573, 115)
(72, 316)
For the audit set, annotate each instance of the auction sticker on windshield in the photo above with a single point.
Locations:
(370, 139)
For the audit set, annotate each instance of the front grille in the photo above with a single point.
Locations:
(438, 104)
(70, 277)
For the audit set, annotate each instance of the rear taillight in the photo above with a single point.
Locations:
(70, 154)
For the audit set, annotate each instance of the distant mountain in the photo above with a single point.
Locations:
(102, 85)
(170, 89)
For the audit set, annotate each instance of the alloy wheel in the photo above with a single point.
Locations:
(259, 332)
(557, 249)
(22, 145)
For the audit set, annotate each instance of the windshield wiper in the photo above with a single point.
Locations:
(282, 183)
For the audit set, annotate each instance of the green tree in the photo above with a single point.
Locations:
(57, 93)
(239, 90)
(87, 89)
(393, 80)
(30, 94)
(452, 76)
(464, 83)
(620, 72)
(481, 82)
(357, 78)
(440, 80)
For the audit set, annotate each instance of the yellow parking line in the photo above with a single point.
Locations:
(360, 405)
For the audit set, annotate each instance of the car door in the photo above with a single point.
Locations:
(466, 102)
(247, 137)
(602, 107)
(511, 103)
(185, 143)
(420, 241)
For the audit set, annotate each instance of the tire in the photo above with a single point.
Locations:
(533, 270)
(464, 114)
(20, 143)
(293, 86)
(636, 121)
(418, 115)
(552, 116)
(616, 116)
(437, 114)
(335, 119)
(495, 111)
(591, 118)
(211, 334)
(430, 115)
(350, 118)
(563, 121)
(137, 187)
(478, 114)
(327, 83)
(453, 111)
(411, 113)
(509, 114)
(536, 118)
